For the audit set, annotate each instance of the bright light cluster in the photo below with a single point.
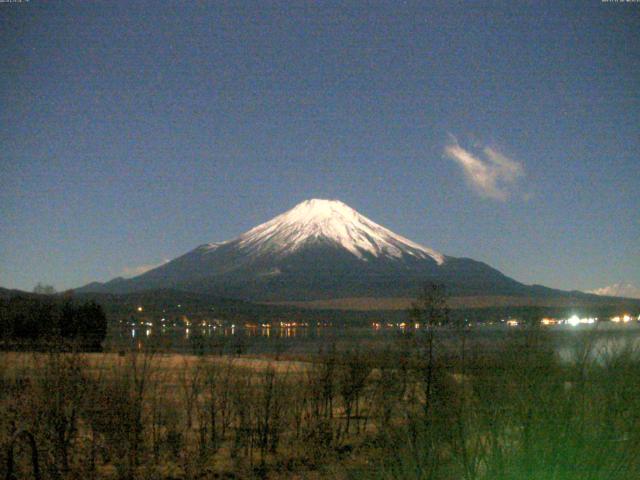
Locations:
(574, 320)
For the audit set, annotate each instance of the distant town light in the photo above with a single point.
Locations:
(574, 320)
(140, 309)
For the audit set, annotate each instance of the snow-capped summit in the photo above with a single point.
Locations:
(330, 221)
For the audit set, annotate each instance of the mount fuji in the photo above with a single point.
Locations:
(320, 249)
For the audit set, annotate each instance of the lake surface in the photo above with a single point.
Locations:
(602, 339)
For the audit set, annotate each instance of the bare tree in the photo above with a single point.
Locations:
(43, 289)
(429, 311)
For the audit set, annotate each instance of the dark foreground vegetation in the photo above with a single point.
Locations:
(420, 408)
(435, 402)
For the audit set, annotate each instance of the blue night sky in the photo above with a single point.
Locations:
(131, 132)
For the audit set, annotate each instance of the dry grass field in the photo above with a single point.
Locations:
(18, 363)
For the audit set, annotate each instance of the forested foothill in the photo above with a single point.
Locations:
(37, 322)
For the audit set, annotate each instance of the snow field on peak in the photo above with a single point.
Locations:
(332, 221)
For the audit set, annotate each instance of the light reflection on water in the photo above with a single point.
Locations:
(230, 331)
(269, 331)
(603, 340)
(601, 347)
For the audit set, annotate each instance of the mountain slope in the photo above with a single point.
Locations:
(319, 249)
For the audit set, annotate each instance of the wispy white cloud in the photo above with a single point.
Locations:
(491, 174)
(134, 271)
(618, 290)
